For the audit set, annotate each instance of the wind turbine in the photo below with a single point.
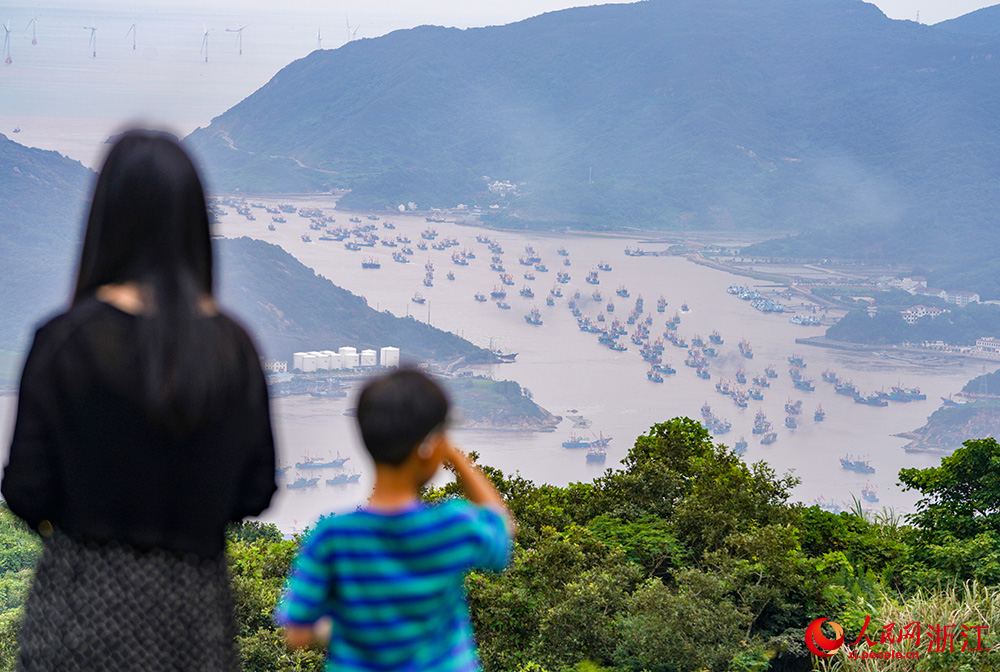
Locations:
(131, 29)
(31, 24)
(204, 43)
(239, 36)
(93, 39)
(6, 43)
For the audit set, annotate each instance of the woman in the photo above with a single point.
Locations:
(142, 430)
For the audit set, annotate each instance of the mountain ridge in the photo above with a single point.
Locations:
(45, 196)
(658, 114)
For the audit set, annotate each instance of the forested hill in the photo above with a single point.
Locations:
(44, 197)
(290, 308)
(985, 21)
(667, 113)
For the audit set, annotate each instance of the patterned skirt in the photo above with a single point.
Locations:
(108, 607)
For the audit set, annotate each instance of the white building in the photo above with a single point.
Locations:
(368, 358)
(273, 366)
(389, 356)
(914, 313)
(961, 297)
(988, 345)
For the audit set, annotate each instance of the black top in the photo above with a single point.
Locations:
(86, 458)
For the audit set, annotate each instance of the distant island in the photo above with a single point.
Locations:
(948, 427)
(484, 403)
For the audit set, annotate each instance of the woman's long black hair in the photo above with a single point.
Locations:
(148, 224)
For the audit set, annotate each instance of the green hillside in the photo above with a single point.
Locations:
(290, 308)
(284, 303)
(985, 21)
(43, 202)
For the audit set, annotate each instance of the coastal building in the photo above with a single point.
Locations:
(929, 291)
(273, 366)
(914, 313)
(988, 345)
(961, 297)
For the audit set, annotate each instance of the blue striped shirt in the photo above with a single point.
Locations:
(393, 585)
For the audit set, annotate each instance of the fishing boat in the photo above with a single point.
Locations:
(790, 422)
(661, 305)
(418, 298)
(715, 338)
(533, 317)
(597, 454)
(271, 227)
(450, 275)
(371, 262)
(740, 447)
(321, 463)
(503, 305)
(343, 479)
(869, 400)
(575, 441)
(769, 438)
(793, 408)
(819, 414)
(604, 266)
(869, 493)
(858, 466)
(770, 371)
(745, 349)
(592, 278)
(654, 376)
(527, 292)
(302, 482)
(306, 238)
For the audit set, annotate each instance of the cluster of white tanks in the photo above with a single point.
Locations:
(344, 358)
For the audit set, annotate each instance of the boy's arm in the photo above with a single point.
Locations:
(302, 636)
(477, 487)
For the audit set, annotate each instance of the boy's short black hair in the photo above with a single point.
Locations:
(397, 411)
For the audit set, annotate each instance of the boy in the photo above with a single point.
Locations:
(384, 584)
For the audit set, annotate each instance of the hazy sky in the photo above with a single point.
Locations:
(463, 13)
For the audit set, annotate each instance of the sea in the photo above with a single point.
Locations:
(65, 99)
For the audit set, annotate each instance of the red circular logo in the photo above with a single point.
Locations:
(819, 643)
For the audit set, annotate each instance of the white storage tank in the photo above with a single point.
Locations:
(390, 356)
(349, 357)
(369, 358)
(336, 361)
(309, 362)
(297, 360)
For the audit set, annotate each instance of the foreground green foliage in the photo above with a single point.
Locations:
(684, 560)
